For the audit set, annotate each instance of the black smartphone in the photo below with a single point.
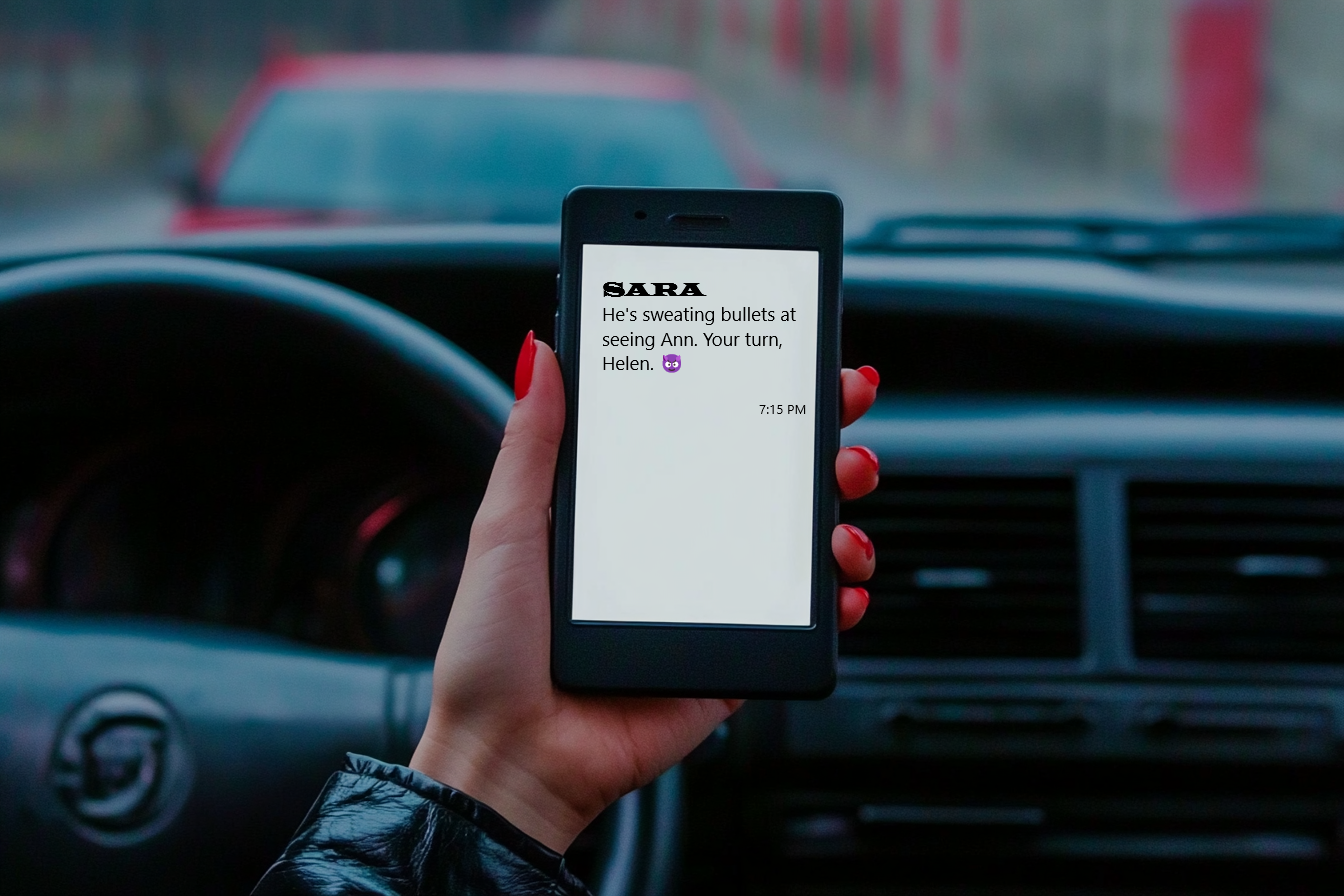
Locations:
(699, 336)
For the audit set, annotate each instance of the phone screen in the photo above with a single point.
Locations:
(696, 436)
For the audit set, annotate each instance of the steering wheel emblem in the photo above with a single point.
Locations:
(121, 766)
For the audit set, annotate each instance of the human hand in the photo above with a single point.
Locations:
(498, 729)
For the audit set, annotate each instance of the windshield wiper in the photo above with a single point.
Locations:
(1122, 239)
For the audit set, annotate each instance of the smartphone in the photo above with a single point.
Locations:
(699, 336)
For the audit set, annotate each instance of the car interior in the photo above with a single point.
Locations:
(1095, 250)
(1103, 643)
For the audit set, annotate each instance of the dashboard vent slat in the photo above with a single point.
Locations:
(1237, 572)
(970, 567)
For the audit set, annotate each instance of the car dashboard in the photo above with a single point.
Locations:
(1105, 649)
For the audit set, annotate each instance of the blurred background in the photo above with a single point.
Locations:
(1133, 107)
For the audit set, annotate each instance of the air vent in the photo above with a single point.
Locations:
(995, 827)
(1238, 572)
(970, 567)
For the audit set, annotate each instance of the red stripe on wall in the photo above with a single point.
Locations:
(947, 72)
(947, 37)
(1217, 104)
(789, 35)
(835, 44)
(887, 48)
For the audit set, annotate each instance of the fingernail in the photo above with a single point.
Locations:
(858, 535)
(522, 374)
(867, 454)
(870, 374)
(863, 593)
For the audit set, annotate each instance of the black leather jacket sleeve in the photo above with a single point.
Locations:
(385, 829)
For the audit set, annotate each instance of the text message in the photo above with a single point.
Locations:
(696, 437)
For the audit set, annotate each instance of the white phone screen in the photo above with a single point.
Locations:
(696, 436)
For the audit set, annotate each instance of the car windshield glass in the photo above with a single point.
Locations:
(463, 156)
(1041, 126)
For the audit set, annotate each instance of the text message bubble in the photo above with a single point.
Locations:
(696, 435)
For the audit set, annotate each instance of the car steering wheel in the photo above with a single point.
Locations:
(156, 756)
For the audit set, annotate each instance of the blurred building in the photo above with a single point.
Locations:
(1110, 104)
(1218, 103)
(89, 87)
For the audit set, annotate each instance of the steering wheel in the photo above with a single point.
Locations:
(164, 756)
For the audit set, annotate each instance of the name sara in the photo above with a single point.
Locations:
(616, 288)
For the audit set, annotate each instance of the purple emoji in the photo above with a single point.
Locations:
(671, 363)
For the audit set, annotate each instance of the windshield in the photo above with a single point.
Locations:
(463, 156)
(132, 121)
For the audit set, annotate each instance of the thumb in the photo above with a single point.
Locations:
(519, 494)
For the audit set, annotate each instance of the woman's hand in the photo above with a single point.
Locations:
(498, 729)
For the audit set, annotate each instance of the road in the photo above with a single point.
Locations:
(121, 211)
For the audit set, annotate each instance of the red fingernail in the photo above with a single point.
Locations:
(859, 536)
(522, 374)
(863, 593)
(870, 374)
(868, 455)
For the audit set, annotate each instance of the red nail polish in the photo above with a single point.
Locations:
(864, 541)
(870, 374)
(863, 593)
(522, 374)
(868, 455)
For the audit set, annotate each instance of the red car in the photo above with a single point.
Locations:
(357, 138)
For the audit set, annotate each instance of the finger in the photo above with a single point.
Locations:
(852, 603)
(518, 497)
(858, 389)
(855, 472)
(853, 553)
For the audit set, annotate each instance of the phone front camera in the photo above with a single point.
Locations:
(640, 216)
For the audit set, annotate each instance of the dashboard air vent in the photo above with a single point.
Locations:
(1238, 572)
(970, 567)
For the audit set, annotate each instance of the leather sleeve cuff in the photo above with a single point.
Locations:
(379, 828)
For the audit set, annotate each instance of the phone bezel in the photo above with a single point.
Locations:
(700, 659)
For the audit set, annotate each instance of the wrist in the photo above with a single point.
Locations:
(467, 762)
